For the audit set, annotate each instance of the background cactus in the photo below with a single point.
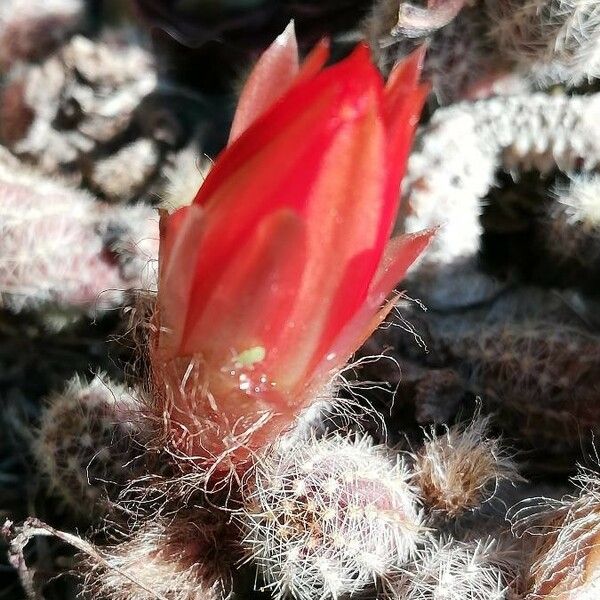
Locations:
(458, 59)
(553, 40)
(30, 30)
(449, 569)
(183, 557)
(554, 366)
(329, 518)
(493, 46)
(89, 444)
(461, 469)
(96, 112)
(564, 535)
(59, 249)
(78, 99)
(512, 134)
(531, 355)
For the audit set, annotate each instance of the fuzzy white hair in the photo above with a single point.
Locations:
(447, 569)
(184, 557)
(55, 244)
(85, 446)
(461, 469)
(581, 200)
(329, 518)
(566, 536)
(557, 40)
(185, 177)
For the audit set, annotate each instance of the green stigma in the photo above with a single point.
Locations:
(249, 357)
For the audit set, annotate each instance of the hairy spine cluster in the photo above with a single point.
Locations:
(329, 518)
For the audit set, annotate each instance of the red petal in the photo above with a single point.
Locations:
(401, 132)
(181, 233)
(399, 255)
(404, 100)
(344, 240)
(284, 172)
(272, 75)
(169, 227)
(254, 295)
(403, 79)
(401, 129)
(314, 62)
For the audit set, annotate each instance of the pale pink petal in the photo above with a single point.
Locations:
(273, 74)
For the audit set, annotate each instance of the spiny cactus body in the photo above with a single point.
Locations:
(31, 29)
(528, 354)
(125, 173)
(544, 375)
(554, 40)
(78, 98)
(447, 569)
(329, 518)
(59, 248)
(492, 46)
(515, 133)
(93, 111)
(461, 469)
(181, 557)
(528, 357)
(453, 167)
(85, 445)
(569, 231)
(565, 534)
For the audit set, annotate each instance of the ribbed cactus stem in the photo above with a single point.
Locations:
(453, 167)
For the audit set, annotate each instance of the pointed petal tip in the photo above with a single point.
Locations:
(324, 42)
(361, 53)
(419, 54)
(314, 61)
(322, 49)
(288, 36)
(407, 72)
(271, 77)
(360, 67)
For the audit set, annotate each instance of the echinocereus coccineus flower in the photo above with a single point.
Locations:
(279, 269)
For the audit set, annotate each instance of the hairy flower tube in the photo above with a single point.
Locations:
(281, 266)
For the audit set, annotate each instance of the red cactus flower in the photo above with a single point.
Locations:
(279, 269)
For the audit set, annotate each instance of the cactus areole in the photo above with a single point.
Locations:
(281, 266)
